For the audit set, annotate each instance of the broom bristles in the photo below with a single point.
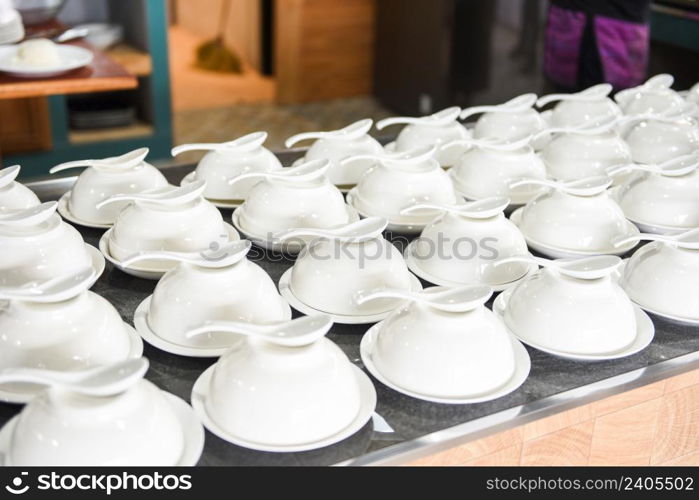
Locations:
(213, 55)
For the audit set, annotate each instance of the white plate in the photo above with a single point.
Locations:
(140, 272)
(459, 187)
(414, 266)
(671, 317)
(288, 247)
(16, 397)
(229, 204)
(72, 57)
(285, 290)
(191, 428)
(367, 395)
(68, 215)
(394, 227)
(140, 320)
(98, 263)
(645, 331)
(522, 367)
(564, 253)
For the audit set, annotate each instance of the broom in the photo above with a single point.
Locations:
(213, 55)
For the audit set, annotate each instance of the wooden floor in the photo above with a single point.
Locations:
(657, 424)
(222, 90)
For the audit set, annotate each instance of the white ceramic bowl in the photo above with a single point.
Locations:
(508, 126)
(572, 113)
(275, 395)
(277, 204)
(392, 185)
(655, 141)
(664, 279)
(96, 185)
(638, 102)
(653, 199)
(459, 247)
(585, 224)
(135, 428)
(437, 130)
(571, 315)
(444, 354)
(190, 226)
(14, 195)
(483, 173)
(228, 160)
(572, 156)
(41, 250)
(189, 295)
(73, 334)
(328, 272)
(338, 145)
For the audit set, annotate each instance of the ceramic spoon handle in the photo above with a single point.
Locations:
(480, 209)
(515, 105)
(241, 144)
(305, 172)
(8, 175)
(29, 216)
(442, 117)
(50, 290)
(590, 94)
(297, 332)
(223, 256)
(368, 228)
(177, 196)
(126, 161)
(460, 299)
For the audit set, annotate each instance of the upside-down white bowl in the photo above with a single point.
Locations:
(190, 295)
(96, 185)
(653, 141)
(572, 113)
(15, 195)
(444, 354)
(387, 188)
(585, 224)
(188, 227)
(135, 428)
(274, 206)
(664, 279)
(276, 395)
(461, 249)
(570, 315)
(40, 252)
(573, 156)
(508, 126)
(483, 173)
(327, 274)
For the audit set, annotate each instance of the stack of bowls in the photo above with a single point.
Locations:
(38, 246)
(110, 417)
(398, 181)
(340, 262)
(300, 196)
(574, 219)
(337, 145)
(575, 309)
(126, 174)
(169, 219)
(226, 161)
(284, 387)
(444, 346)
(212, 285)
(457, 247)
(433, 130)
(13, 195)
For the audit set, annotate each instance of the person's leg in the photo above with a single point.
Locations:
(589, 64)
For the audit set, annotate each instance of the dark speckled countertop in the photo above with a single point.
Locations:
(414, 428)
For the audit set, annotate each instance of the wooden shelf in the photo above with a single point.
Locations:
(138, 129)
(135, 61)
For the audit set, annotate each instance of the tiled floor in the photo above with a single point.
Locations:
(280, 121)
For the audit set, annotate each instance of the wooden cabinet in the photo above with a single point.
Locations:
(24, 125)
